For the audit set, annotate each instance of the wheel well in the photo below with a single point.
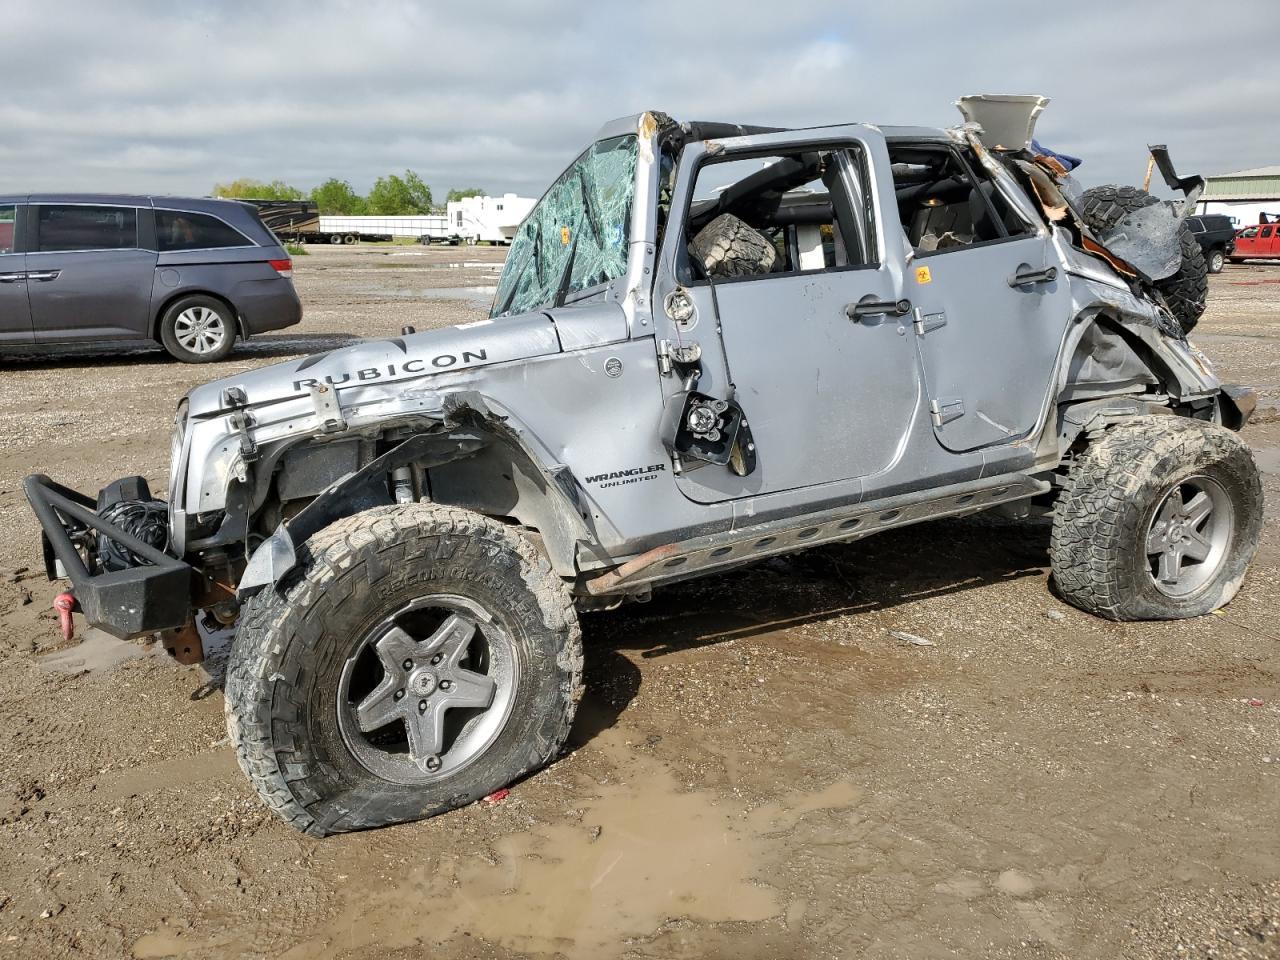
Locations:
(1107, 359)
(174, 298)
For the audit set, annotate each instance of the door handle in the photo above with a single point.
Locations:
(1024, 276)
(44, 275)
(12, 277)
(869, 306)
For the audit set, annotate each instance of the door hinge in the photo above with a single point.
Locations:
(926, 322)
(683, 354)
(944, 411)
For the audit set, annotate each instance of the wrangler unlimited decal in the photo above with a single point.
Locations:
(617, 478)
(442, 362)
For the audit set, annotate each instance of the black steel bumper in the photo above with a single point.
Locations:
(125, 603)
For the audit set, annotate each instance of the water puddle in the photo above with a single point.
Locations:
(477, 296)
(167, 774)
(642, 851)
(97, 651)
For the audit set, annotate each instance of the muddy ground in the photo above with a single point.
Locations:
(759, 769)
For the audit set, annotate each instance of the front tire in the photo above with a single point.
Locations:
(1215, 261)
(1158, 521)
(420, 658)
(198, 329)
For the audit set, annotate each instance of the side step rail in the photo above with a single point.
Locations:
(677, 561)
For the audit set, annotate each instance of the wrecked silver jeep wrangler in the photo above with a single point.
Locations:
(710, 344)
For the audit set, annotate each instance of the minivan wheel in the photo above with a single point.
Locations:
(1158, 521)
(419, 658)
(198, 329)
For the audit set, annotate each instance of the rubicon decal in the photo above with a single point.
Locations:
(618, 478)
(441, 362)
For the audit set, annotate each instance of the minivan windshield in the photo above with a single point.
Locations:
(577, 235)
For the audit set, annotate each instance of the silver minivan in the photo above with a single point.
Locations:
(88, 270)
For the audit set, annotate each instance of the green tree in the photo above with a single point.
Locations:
(393, 195)
(464, 193)
(246, 188)
(336, 197)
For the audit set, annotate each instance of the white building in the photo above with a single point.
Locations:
(1243, 195)
(491, 219)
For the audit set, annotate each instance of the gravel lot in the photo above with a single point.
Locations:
(759, 769)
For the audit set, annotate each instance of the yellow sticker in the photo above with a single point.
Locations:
(923, 275)
(564, 236)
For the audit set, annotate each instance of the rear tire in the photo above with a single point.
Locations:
(1158, 521)
(335, 677)
(1187, 290)
(198, 329)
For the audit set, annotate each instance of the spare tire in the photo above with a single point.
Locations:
(1186, 291)
(730, 247)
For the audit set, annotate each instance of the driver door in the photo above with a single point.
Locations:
(815, 348)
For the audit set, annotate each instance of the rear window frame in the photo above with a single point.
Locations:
(249, 242)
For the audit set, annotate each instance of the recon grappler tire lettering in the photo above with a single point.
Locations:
(441, 361)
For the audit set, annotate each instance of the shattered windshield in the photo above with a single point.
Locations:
(576, 237)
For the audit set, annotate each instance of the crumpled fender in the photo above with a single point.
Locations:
(470, 425)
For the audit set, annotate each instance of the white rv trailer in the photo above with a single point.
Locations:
(350, 229)
(488, 219)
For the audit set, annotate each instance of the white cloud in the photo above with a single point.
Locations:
(168, 97)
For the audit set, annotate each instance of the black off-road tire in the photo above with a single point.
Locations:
(1188, 289)
(1098, 545)
(169, 333)
(729, 247)
(291, 643)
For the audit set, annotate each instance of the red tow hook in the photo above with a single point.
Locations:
(66, 604)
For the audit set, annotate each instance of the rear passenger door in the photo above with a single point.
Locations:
(1269, 241)
(88, 276)
(990, 306)
(15, 312)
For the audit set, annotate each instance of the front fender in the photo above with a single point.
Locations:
(486, 461)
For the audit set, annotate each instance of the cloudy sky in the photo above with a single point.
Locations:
(173, 97)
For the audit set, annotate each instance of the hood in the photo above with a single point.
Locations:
(373, 362)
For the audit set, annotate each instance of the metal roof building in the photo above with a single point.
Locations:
(1243, 195)
(1260, 183)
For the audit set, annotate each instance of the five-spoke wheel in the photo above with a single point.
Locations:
(1189, 535)
(198, 329)
(442, 674)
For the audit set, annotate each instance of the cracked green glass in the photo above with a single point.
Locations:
(577, 236)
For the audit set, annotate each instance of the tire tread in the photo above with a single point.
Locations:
(263, 729)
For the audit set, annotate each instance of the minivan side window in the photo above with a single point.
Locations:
(8, 213)
(183, 230)
(77, 227)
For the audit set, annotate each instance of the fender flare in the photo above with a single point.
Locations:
(473, 424)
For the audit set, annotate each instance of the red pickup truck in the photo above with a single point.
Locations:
(1258, 242)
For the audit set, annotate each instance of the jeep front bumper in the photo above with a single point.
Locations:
(125, 603)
